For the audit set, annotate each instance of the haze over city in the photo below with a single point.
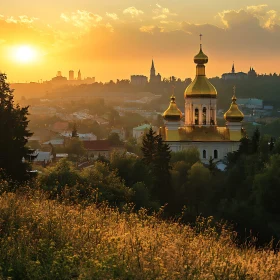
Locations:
(114, 39)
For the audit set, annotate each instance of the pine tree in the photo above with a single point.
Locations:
(149, 146)
(157, 155)
(75, 131)
(14, 134)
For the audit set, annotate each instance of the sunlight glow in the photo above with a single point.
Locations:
(25, 54)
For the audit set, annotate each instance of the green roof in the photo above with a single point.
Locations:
(142, 127)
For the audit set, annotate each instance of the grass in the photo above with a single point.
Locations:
(43, 239)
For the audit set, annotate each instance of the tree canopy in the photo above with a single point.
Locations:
(14, 154)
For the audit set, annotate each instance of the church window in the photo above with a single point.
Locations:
(204, 115)
(215, 154)
(204, 154)
(196, 117)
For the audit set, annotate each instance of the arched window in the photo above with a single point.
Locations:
(196, 116)
(204, 154)
(215, 154)
(204, 115)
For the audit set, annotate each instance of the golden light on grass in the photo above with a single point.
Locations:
(25, 54)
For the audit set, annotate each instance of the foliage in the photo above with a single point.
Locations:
(114, 139)
(157, 155)
(75, 147)
(43, 239)
(14, 134)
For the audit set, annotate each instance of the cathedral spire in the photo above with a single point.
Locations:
(233, 68)
(153, 66)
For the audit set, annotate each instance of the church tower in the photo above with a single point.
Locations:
(233, 69)
(172, 116)
(200, 96)
(152, 72)
(234, 118)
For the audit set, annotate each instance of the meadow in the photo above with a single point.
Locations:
(47, 239)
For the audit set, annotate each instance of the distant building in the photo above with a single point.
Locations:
(71, 75)
(79, 76)
(120, 132)
(252, 73)
(153, 77)
(55, 143)
(140, 131)
(233, 75)
(139, 80)
(60, 126)
(100, 148)
(59, 80)
(88, 80)
(82, 136)
(250, 103)
(42, 158)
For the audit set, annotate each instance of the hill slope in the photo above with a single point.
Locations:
(42, 239)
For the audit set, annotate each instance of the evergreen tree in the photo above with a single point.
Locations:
(157, 155)
(14, 134)
(149, 146)
(75, 131)
(256, 141)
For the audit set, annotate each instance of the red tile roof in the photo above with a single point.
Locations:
(60, 126)
(97, 145)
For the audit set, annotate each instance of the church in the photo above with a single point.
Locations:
(199, 128)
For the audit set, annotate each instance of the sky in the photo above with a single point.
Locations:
(113, 39)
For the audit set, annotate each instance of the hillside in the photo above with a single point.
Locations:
(42, 239)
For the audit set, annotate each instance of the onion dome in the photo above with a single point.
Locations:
(234, 114)
(201, 57)
(173, 113)
(200, 86)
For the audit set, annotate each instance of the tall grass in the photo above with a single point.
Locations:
(43, 239)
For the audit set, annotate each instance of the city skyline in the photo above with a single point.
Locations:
(114, 41)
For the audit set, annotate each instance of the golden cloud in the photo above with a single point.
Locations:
(112, 16)
(81, 19)
(133, 12)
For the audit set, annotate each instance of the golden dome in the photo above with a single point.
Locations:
(172, 113)
(234, 114)
(200, 86)
(201, 57)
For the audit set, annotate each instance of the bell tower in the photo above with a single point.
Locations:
(200, 96)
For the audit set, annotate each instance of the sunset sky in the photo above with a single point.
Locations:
(113, 39)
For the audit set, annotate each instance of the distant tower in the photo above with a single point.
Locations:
(58, 74)
(71, 75)
(79, 75)
(233, 69)
(152, 72)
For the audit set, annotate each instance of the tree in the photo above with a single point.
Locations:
(75, 131)
(14, 134)
(75, 147)
(114, 139)
(157, 155)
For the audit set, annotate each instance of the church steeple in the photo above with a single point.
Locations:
(233, 68)
(152, 72)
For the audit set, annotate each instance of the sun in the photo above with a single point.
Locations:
(25, 54)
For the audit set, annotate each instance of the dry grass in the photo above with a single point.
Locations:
(41, 239)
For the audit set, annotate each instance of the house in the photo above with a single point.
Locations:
(97, 148)
(42, 158)
(100, 148)
(140, 131)
(82, 136)
(120, 132)
(55, 143)
(60, 126)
